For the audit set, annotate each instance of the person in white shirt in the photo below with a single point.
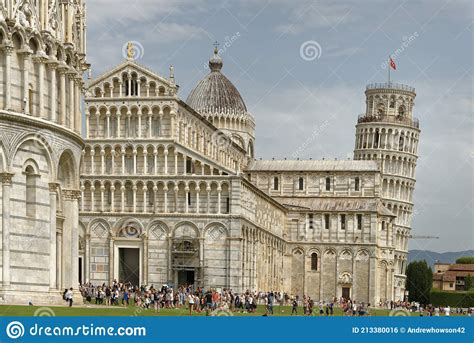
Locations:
(191, 303)
(69, 296)
(447, 310)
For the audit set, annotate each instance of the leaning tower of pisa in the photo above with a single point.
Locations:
(389, 133)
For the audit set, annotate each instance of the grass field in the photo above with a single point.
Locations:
(93, 310)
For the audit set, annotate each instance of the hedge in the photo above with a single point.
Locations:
(465, 260)
(454, 299)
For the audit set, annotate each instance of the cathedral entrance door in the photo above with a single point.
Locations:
(186, 277)
(129, 265)
(346, 292)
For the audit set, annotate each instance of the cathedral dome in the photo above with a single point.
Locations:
(215, 93)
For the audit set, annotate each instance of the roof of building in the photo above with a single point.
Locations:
(313, 165)
(462, 267)
(336, 205)
(215, 93)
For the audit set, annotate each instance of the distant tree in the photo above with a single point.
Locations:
(468, 282)
(465, 260)
(419, 282)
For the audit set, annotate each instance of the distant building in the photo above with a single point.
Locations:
(451, 277)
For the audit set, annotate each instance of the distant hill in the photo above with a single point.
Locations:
(431, 257)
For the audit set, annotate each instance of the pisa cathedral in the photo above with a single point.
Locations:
(161, 190)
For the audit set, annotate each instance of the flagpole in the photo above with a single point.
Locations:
(389, 66)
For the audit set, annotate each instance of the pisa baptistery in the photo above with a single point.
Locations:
(388, 132)
(42, 59)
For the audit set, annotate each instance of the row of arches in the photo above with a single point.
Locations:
(50, 82)
(404, 213)
(391, 164)
(128, 122)
(232, 122)
(196, 135)
(398, 189)
(389, 139)
(200, 197)
(154, 229)
(130, 83)
(262, 259)
(141, 159)
(393, 104)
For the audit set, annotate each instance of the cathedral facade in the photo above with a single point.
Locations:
(158, 190)
(172, 194)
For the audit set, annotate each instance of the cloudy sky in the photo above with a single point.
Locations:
(302, 68)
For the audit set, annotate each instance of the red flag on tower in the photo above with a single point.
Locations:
(392, 64)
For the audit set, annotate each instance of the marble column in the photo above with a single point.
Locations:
(62, 81)
(6, 193)
(87, 258)
(26, 81)
(70, 241)
(40, 60)
(8, 49)
(53, 189)
(166, 161)
(54, 99)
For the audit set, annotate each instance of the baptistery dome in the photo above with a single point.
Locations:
(215, 93)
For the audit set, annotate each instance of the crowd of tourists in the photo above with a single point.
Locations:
(225, 301)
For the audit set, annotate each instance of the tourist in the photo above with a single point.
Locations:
(191, 303)
(69, 296)
(294, 309)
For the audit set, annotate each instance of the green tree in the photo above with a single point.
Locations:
(465, 260)
(468, 282)
(419, 282)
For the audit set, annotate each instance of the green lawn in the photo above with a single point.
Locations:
(13, 310)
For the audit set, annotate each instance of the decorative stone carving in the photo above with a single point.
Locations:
(217, 233)
(157, 232)
(99, 230)
(345, 278)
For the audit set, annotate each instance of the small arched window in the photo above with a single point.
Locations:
(30, 99)
(401, 111)
(129, 164)
(314, 261)
(30, 194)
(151, 196)
(376, 139)
(300, 183)
(275, 183)
(401, 143)
(392, 103)
(356, 184)
(129, 196)
(328, 183)
(327, 222)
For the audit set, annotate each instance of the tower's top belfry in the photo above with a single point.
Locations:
(390, 102)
